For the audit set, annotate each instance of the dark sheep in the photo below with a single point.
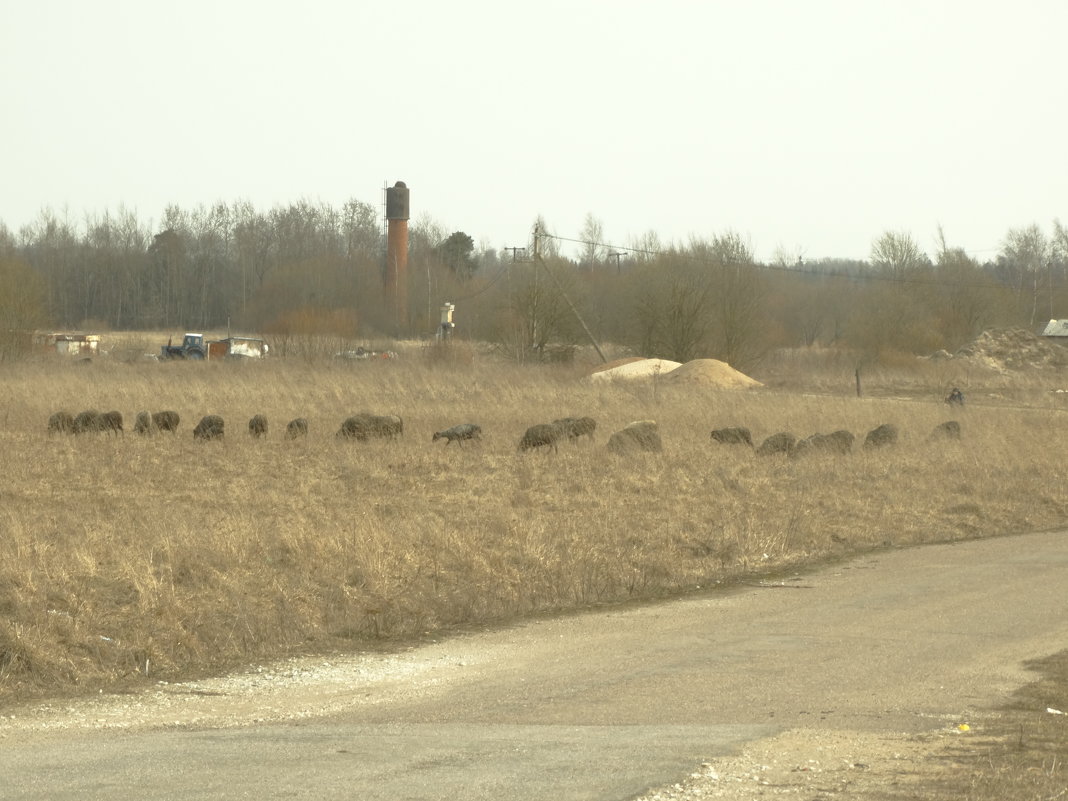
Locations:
(806, 446)
(839, 442)
(881, 436)
(365, 426)
(61, 423)
(389, 426)
(297, 428)
(576, 427)
(783, 442)
(143, 425)
(353, 428)
(947, 430)
(732, 436)
(166, 421)
(458, 434)
(210, 427)
(539, 435)
(955, 398)
(257, 426)
(111, 422)
(641, 435)
(87, 422)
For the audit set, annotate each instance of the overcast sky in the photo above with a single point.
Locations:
(807, 125)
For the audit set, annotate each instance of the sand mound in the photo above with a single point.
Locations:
(616, 363)
(641, 369)
(711, 373)
(1013, 349)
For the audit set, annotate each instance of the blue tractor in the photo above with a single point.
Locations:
(193, 347)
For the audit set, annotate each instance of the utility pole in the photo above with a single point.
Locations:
(617, 255)
(539, 262)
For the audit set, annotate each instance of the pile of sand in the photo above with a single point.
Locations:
(631, 370)
(616, 363)
(710, 373)
(1004, 349)
(700, 372)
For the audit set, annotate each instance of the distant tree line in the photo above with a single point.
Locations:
(313, 270)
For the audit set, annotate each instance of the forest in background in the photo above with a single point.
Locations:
(314, 270)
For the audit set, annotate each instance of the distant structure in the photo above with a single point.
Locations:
(1057, 331)
(447, 325)
(83, 345)
(396, 272)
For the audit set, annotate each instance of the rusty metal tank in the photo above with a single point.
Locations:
(397, 201)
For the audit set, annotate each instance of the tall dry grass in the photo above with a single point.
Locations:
(126, 558)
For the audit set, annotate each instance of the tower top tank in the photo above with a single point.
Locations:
(397, 201)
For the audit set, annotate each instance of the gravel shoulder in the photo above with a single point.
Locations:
(821, 763)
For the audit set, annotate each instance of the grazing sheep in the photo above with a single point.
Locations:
(783, 442)
(61, 423)
(389, 426)
(541, 434)
(166, 421)
(143, 425)
(297, 428)
(210, 427)
(881, 436)
(257, 426)
(732, 436)
(111, 422)
(365, 426)
(642, 435)
(947, 430)
(575, 427)
(352, 428)
(458, 434)
(87, 422)
(839, 442)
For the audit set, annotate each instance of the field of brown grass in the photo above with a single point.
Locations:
(130, 559)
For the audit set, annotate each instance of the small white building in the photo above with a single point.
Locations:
(1057, 329)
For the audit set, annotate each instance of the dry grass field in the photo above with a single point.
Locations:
(132, 559)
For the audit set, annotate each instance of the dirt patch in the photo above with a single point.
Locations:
(711, 373)
(1004, 349)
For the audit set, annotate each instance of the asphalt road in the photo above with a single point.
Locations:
(595, 706)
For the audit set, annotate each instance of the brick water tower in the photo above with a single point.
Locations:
(396, 272)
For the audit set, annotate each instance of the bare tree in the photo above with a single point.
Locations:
(50, 245)
(739, 292)
(896, 253)
(592, 236)
(644, 247)
(22, 310)
(1026, 253)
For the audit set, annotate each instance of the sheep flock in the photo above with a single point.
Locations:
(635, 437)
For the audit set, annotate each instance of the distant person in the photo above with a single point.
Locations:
(956, 398)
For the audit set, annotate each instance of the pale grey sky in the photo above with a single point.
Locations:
(813, 125)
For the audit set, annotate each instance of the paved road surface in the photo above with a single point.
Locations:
(595, 706)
